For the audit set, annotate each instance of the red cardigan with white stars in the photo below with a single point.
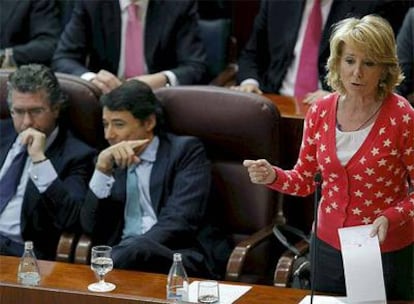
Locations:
(374, 182)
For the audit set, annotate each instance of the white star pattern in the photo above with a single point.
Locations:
(368, 203)
(406, 118)
(371, 183)
(358, 193)
(382, 162)
(356, 211)
(358, 177)
(374, 151)
(389, 200)
(369, 171)
(366, 220)
(401, 103)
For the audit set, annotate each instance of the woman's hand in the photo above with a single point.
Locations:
(260, 171)
(380, 228)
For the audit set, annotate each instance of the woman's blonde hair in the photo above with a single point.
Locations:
(374, 36)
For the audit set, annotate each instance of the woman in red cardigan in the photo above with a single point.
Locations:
(361, 140)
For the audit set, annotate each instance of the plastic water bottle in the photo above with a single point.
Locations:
(28, 271)
(177, 282)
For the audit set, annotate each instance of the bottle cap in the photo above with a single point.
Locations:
(28, 245)
(177, 257)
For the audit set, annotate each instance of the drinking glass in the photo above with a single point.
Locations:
(101, 264)
(208, 292)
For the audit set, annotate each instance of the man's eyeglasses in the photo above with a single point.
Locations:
(33, 113)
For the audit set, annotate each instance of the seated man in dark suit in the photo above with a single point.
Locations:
(273, 58)
(44, 170)
(30, 29)
(161, 35)
(405, 48)
(149, 191)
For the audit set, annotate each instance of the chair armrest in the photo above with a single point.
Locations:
(284, 267)
(83, 250)
(66, 247)
(227, 77)
(240, 252)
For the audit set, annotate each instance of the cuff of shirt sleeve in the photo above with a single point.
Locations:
(88, 76)
(172, 79)
(250, 81)
(101, 184)
(42, 174)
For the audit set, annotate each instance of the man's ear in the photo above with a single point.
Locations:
(150, 123)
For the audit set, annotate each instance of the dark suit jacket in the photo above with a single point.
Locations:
(44, 216)
(171, 39)
(179, 187)
(269, 51)
(405, 48)
(31, 27)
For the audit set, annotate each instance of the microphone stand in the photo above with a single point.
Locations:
(317, 179)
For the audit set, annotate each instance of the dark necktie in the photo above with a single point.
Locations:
(11, 179)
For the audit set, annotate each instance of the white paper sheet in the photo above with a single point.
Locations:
(228, 293)
(362, 265)
(333, 300)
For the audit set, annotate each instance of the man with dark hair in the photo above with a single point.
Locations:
(149, 191)
(44, 169)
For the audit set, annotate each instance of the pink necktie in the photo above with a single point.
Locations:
(307, 77)
(134, 57)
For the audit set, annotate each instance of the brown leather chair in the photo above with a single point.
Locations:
(234, 126)
(83, 115)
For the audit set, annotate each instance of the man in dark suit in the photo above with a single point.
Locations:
(44, 169)
(269, 61)
(93, 41)
(30, 28)
(171, 190)
(405, 48)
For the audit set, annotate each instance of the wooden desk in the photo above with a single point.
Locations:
(66, 283)
(289, 107)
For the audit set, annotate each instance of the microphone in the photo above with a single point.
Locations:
(318, 180)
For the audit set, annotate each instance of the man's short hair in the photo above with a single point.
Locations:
(33, 78)
(137, 98)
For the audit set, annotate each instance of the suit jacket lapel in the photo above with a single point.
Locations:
(111, 25)
(158, 174)
(153, 30)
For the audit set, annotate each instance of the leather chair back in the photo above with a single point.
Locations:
(83, 114)
(233, 126)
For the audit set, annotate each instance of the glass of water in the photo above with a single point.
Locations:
(101, 264)
(208, 292)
